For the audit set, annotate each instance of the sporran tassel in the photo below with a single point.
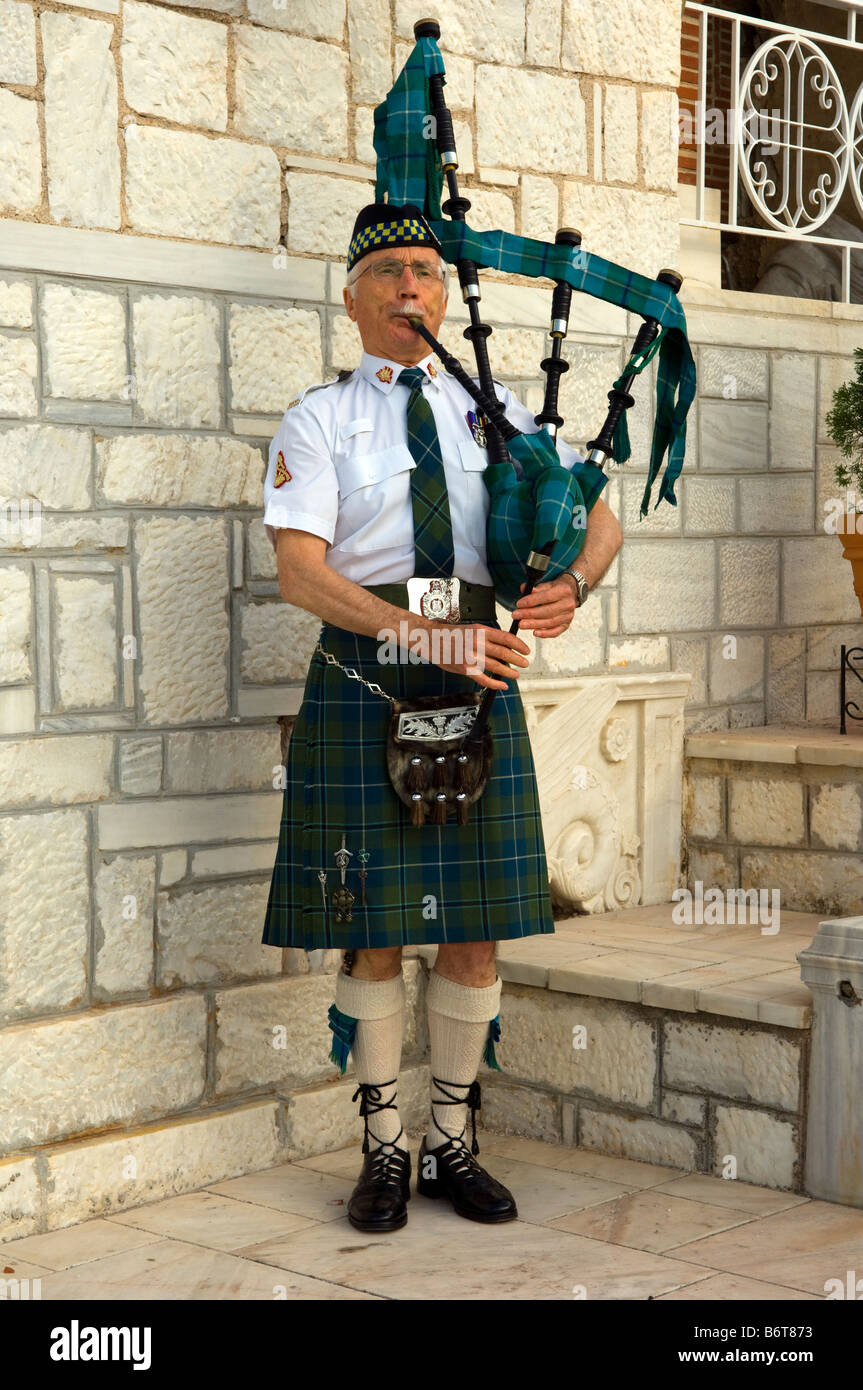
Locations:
(439, 811)
(461, 811)
(416, 778)
(440, 770)
(418, 810)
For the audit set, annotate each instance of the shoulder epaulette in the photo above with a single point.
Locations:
(343, 376)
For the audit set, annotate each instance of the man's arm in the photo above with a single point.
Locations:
(602, 541)
(549, 608)
(306, 581)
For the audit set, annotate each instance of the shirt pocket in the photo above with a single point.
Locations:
(374, 500)
(473, 458)
(474, 519)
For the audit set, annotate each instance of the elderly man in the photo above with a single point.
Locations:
(369, 485)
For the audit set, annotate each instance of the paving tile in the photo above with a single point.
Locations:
(542, 1193)
(748, 998)
(802, 1247)
(514, 1260)
(650, 1220)
(288, 1187)
(343, 1163)
(172, 1269)
(618, 975)
(681, 991)
(13, 1268)
(628, 1172)
(73, 1245)
(733, 1288)
(728, 1192)
(206, 1218)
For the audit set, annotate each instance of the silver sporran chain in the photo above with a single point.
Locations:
(354, 675)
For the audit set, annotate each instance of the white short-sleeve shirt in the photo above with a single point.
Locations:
(339, 466)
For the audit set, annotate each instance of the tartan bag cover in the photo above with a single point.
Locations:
(487, 880)
(409, 171)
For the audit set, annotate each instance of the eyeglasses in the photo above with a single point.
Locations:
(425, 271)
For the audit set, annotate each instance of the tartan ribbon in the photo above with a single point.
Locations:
(435, 554)
(408, 170)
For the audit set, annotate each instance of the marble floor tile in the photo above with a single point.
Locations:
(541, 1190)
(88, 1240)
(512, 1261)
(543, 1193)
(748, 941)
(344, 1163)
(288, 1187)
(627, 1172)
(172, 1269)
(617, 975)
(802, 1247)
(732, 1288)
(207, 1218)
(726, 1192)
(13, 1268)
(748, 998)
(650, 1220)
(681, 991)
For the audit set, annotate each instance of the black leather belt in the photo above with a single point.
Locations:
(443, 600)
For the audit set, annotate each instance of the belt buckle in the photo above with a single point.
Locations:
(437, 599)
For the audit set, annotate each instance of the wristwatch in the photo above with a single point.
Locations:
(581, 584)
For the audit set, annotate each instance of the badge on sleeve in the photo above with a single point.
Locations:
(282, 474)
(476, 424)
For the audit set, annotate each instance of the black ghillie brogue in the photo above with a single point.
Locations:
(451, 1170)
(379, 1200)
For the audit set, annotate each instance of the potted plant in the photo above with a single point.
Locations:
(845, 428)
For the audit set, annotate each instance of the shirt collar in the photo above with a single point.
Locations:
(384, 373)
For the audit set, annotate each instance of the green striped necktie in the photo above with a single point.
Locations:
(432, 527)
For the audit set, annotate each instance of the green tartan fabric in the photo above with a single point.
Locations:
(408, 170)
(483, 881)
(433, 539)
(549, 503)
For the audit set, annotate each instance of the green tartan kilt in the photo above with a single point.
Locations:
(483, 881)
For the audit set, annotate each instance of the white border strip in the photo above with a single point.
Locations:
(40, 246)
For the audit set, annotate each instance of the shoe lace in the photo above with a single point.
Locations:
(387, 1161)
(463, 1162)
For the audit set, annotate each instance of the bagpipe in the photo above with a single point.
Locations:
(537, 521)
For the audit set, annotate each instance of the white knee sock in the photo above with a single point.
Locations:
(458, 1018)
(378, 1007)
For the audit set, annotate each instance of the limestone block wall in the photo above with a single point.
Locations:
(663, 1087)
(791, 827)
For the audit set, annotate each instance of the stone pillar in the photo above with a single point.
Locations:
(832, 967)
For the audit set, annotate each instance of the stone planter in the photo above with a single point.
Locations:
(852, 549)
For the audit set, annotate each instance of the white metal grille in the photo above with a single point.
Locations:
(794, 134)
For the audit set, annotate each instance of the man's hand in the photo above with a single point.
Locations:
(493, 653)
(549, 608)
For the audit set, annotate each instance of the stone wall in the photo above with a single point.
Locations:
(662, 1086)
